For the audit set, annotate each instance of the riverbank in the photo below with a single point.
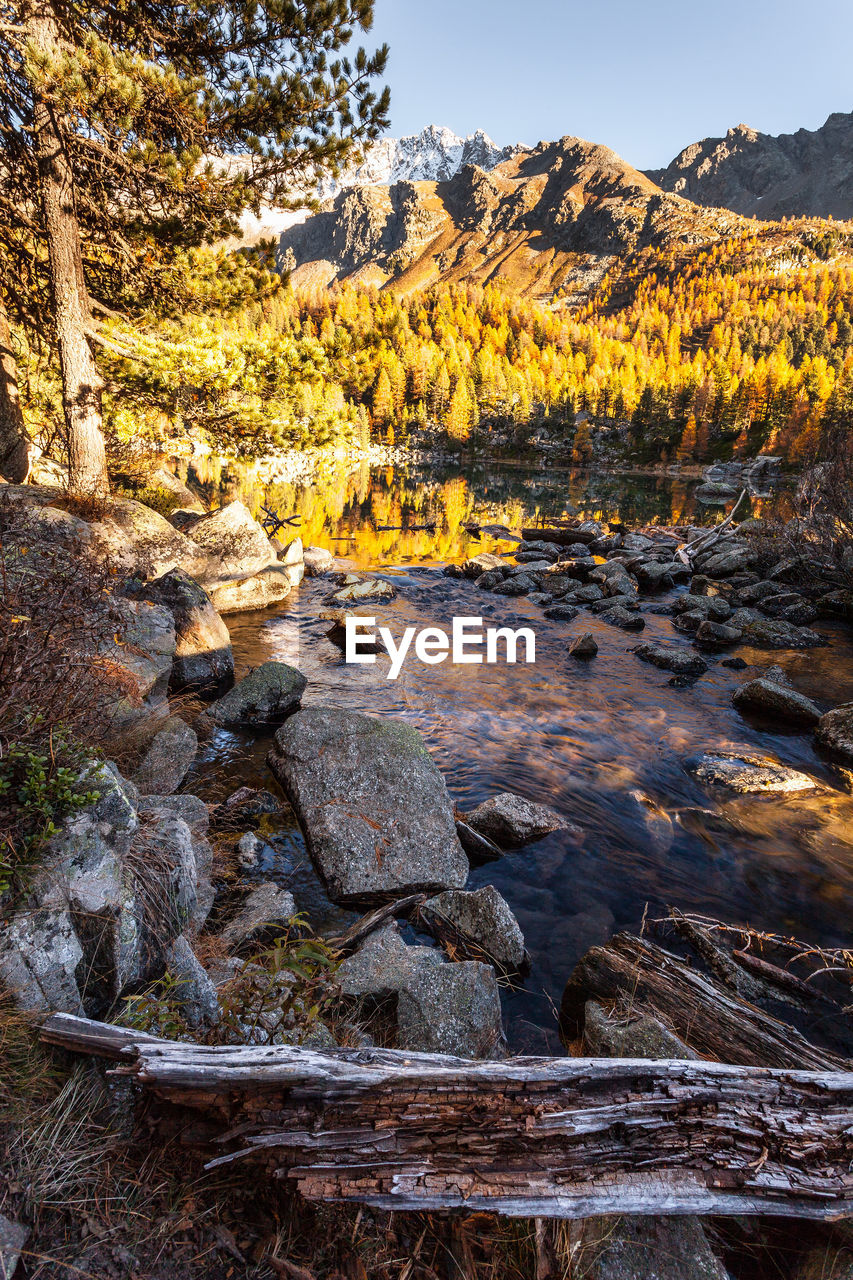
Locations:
(250, 846)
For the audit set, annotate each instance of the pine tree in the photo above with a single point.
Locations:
(458, 420)
(383, 398)
(131, 134)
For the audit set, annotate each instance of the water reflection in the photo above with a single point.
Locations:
(604, 742)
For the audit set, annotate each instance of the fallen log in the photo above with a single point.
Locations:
(561, 537)
(543, 1137)
(711, 1018)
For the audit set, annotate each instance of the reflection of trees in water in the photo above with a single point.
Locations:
(344, 508)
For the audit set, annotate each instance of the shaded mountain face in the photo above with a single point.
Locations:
(556, 216)
(807, 173)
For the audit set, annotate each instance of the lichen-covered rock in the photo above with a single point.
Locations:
(203, 658)
(776, 701)
(264, 915)
(747, 773)
(512, 821)
(452, 1008)
(480, 924)
(267, 695)
(39, 957)
(13, 1237)
(374, 808)
(835, 732)
(166, 762)
(384, 964)
(193, 990)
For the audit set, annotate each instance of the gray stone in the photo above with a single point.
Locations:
(587, 594)
(249, 850)
(713, 607)
(562, 613)
(146, 654)
(681, 661)
(480, 563)
(241, 569)
(835, 732)
(374, 808)
(39, 956)
(263, 916)
(167, 760)
(203, 657)
(194, 991)
(583, 646)
(13, 1237)
(490, 579)
(193, 811)
(481, 924)
(776, 701)
(623, 618)
(518, 586)
(512, 821)
(635, 1248)
(268, 695)
(292, 556)
(746, 773)
(717, 635)
(317, 561)
(654, 577)
(541, 598)
(138, 541)
(384, 965)
(454, 1009)
(636, 1036)
(776, 633)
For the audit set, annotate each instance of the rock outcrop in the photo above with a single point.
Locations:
(267, 695)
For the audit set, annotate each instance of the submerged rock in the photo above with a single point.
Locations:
(512, 821)
(777, 701)
(747, 773)
(835, 732)
(681, 661)
(583, 646)
(268, 695)
(244, 806)
(374, 808)
(481, 924)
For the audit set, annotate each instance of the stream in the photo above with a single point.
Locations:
(604, 742)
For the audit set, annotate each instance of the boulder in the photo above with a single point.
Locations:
(374, 808)
(203, 657)
(317, 561)
(240, 569)
(623, 618)
(635, 1248)
(775, 633)
(162, 478)
(587, 594)
(454, 1009)
(776, 701)
(480, 925)
(713, 607)
(653, 576)
(193, 990)
(517, 586)
(512, 821)
(39, 956)
(744, 774)
(145, 654)
(490, 579)
(717, 635)
(440, 1007)
(264, 915)
(637, 1035)
(835, 732)
(167, 760)
(139, 542)
(266, 696)
(681, 661)
(583, 646)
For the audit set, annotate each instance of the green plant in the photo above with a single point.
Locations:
(38, 789)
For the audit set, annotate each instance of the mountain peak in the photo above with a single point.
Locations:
(435, 154)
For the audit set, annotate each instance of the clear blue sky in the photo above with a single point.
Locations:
(645, 77)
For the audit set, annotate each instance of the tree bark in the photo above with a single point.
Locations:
(14, 456)
(82, 385)
(532, 1137)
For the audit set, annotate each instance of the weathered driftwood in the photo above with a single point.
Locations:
(714, 1019)
(365, 925)
(543, 1137)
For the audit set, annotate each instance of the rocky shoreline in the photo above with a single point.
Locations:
(139, 896)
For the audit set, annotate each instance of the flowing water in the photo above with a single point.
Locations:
(604, 742)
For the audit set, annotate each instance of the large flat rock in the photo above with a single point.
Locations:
(374, 808)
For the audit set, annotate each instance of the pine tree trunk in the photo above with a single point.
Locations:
(81, 383)
(14, 458)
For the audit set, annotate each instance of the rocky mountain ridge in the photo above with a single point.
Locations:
(556, 216)
(808, 173)
(433, 155)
